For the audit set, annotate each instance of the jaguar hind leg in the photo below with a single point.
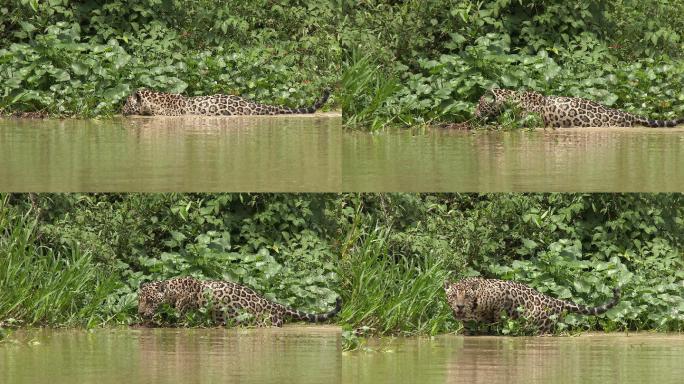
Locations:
(545, 326)
(225, 316)
(270, 320)
(276, 321)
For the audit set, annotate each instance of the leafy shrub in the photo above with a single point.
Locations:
(275, 244)
(386, 255)
(447, 54)
(570, 246)
(73, 58)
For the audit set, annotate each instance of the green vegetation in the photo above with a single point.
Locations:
(276, 244)
(386, 255)
(392, 293)
(574, 247)
(42, 285)
(444, 54)
(66, 57)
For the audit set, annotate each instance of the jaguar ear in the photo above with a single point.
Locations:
(447, 283)
(137, 95)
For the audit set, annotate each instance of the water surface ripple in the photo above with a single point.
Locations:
(567, 160)
(293, 354)
(256, 153)
(591, 358)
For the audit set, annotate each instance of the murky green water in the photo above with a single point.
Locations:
(258, 153)
(312, 354)
(612, 358)
(311, 153)
(295, 354)
(571, 160)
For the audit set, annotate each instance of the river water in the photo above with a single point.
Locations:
(590, 358)
(189, 153)
(293, 354)
(565, 160)
(312, 153)
(313, 354)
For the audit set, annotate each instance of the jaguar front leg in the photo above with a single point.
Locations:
(226, 315)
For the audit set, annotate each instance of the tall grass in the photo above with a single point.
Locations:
(46, 286)
(392, 294)
(366, 89)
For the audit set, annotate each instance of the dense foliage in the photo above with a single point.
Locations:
(422, 61)
(276, 244)
(570, 246)
(79, 259)
(70, 57)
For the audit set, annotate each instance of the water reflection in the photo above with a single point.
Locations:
(258, 153)
(593, 358)
(586, 159)
(302, 354)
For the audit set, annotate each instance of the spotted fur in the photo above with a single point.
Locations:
(479, 299)
(227, 299)
(560, 111)
(146, 102)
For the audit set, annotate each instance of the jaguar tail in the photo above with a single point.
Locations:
(660, 123)
(315, 317)
(581, 309)
(265, 109)
(316, 106)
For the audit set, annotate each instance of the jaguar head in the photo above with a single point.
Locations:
(132, 105)
(137, 103)
(484, 107)
(150, 296)
(462, 299)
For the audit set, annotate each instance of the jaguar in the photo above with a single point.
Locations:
(228, 300)
(481, 299)
(147, 102)
(563, 112)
